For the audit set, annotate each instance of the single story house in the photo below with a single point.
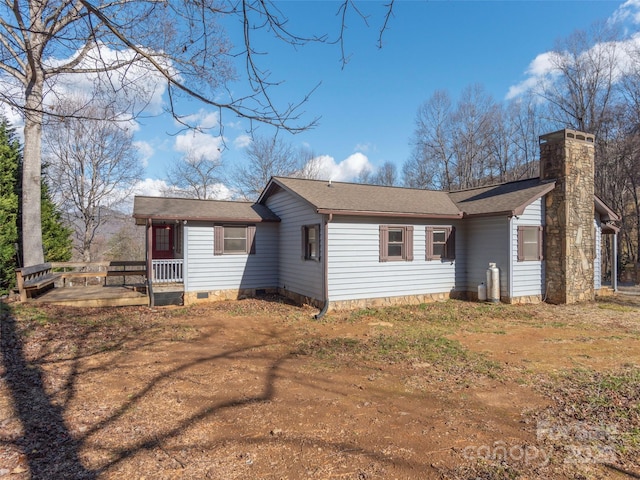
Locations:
(344, 245)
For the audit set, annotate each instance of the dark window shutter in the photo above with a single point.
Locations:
(408, 242)
(451, 243)
(520, 243)
(303, 236)
(384, 239)
(540, 243)
(317, 229)
(251, 239)
(429, 243)
(218, 240)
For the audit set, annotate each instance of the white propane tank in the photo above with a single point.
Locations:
(493, 283)
(482, 292)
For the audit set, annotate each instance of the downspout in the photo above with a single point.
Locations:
(149, 239)
(325, 268)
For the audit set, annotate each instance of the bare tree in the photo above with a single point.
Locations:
(118, 46)
(431, 163)
(582, 81)
(195, 176)
(452, 144)
(386, 175)
(94, 167)
(271, 157)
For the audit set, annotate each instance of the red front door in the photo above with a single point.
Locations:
(162, 241)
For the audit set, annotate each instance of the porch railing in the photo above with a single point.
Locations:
(168, 271)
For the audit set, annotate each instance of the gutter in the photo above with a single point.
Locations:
(367, 213)
(325, 261)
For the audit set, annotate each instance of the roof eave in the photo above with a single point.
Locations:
(274, 182)
(204, 219)
(506, 213)
(367, 213)
(602, 207)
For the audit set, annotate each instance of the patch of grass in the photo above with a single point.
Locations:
(29, 313)
(405, 343)
(607, 403)
(616, 308)
(330, 347)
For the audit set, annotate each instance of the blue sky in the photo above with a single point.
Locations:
(369, 106)
(367, 109)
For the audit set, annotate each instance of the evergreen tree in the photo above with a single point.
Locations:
(9, 170)
(56, 237)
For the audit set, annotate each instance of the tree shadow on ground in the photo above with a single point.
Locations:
(50, 450)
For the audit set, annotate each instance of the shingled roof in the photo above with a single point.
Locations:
(359, 199)
(506, 198)
(208, 210)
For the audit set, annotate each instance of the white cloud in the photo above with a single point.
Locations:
(222, 192)
(542, 69)
(145, 150)
(202, 119)
(363, 147)
(628, 11)
(242, 141)
(347, 170)
(150, 187)
(144, 90)
(200, 145)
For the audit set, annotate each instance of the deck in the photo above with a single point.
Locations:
(112, 284)
(95, 296)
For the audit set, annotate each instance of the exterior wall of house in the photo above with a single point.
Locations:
(356, 272)
(304, 278)
(215, 277)
(487, 240)
(527, 278)
(597, 261)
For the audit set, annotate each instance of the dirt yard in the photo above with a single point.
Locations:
(257, 389)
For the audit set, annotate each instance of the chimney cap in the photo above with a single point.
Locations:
(567, 133)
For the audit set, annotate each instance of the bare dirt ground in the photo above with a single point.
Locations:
(257, 389)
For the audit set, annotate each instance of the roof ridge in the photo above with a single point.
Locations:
(498, 184)
(399, 187)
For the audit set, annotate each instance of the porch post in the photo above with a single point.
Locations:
(149, 238)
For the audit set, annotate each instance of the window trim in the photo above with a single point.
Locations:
(449, 242)
(218, 240)
(306, 250)
(407, 243)
(521, 250)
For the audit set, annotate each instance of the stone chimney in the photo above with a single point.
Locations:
(567, 156)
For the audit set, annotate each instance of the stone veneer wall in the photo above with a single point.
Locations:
(568, 157)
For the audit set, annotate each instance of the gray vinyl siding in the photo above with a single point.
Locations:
(527, 277)
(296, 274)
(597, 261)
(487, 241)
(206, 271)
(355, 270)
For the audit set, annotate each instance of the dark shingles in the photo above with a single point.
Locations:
(339, 197)
(509, 198)
(191, 209)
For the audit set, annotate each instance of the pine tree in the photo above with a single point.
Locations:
(56, 237)
(9, 170)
